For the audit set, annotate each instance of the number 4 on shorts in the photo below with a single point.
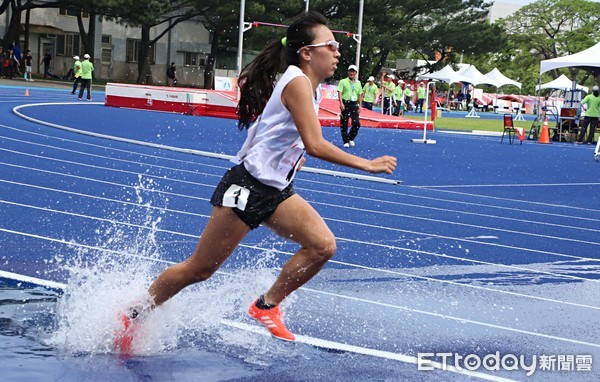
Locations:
(236, 196)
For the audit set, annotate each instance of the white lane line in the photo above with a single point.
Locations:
(392, 306)
(259, 248)
(391, 193)
(142, 164)
(516, 185)
(307, 340)
(175, 180)
(341, 174)
(508, 200)
(462, 239)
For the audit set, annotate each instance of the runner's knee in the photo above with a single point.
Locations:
(324, 248)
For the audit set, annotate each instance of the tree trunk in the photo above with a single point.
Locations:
(12, 32)
(88, 38)
(209, 71)
(144, 70)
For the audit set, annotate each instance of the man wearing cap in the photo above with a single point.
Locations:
(370, 93)
(397, 99)
(420, 97)
(592, 112)
(77, 70)
(408, 94)
(350, 94)
(86, 77)
(388, 87)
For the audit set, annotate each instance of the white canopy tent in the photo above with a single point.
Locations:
(472, 75)
(588, 59)
(446, 74)
(561, 83)
(501, 79)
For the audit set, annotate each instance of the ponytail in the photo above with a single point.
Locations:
(257, 80)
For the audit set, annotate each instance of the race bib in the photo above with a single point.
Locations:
(236, 196)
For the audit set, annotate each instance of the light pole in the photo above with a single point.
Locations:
(358, 36)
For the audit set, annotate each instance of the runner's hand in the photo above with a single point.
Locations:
(385, 164)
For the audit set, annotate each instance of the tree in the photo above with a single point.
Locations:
(147, 15)
(17, 7)
(548, 29)
(399, 28)
(221, 19)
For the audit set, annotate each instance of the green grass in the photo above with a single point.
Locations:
(469, 124)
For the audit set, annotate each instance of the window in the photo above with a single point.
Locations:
(194, 59)
(71, 12)
(67, 44)
(106, 39)
(133, 48)
(106, 55)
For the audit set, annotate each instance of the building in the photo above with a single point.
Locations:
(55, 30)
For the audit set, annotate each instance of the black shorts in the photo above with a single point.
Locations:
(251, 200)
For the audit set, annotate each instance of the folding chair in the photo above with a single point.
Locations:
(508, 128)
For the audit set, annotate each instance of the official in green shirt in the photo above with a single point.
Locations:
(86, 77)
(77, 70)
(408, 94)
(350, 94)
(388, 87)
(420, 97)
(397, 98)
(592, 112)
(370, 93)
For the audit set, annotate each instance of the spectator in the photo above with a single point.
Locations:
(2, 54)
(592, 112)
(87, 68)
(9, 65)
(350, 94)
(78, 71)
(47, 61)
(370, 93)
(172, 75)
(28, 59)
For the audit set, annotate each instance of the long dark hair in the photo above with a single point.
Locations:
(257, 80)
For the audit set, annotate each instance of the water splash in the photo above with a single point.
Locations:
(114, 274)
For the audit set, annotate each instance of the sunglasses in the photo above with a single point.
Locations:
(332, 45)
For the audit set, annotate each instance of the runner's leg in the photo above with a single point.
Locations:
(297, 220)
(219, 239)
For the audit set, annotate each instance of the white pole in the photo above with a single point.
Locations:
(425, 140)
(358, 37)
(306, 9)
(241, 37)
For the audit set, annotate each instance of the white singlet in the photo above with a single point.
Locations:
(273, 148)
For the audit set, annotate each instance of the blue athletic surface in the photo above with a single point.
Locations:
(482, 248)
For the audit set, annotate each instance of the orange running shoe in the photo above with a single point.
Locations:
(124, 336)
(271, 318)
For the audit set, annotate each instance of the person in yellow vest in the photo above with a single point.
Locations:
(87, 68)
(420, 97)
(370, 93)
(77, 70)
(592, 113)
(407, 96)
(350, 94)
(388, 86)
(397, 98)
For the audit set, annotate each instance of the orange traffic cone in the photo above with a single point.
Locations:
(26, 92)
(545, 136)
